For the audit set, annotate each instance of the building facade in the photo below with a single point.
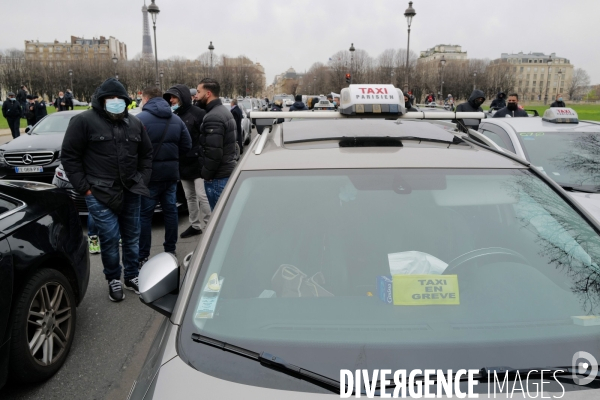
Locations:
(57, 53)
(449, 51)
(538, 75)
(287, 82)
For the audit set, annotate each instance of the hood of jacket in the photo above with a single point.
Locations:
(110, 87)
(182, 92)
(501, 96)
(476, 94)
(158, 107)
(298, 104)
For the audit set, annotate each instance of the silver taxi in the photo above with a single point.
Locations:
(319, 255)
(558, 144)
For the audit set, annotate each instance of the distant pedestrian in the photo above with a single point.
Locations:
(30, 110)
(217, 141)
(180, 98)
(474, 103)
(499, 102)
(60, 103)
(299, 105)
(21, 97)
(411, 97)
(170, 141)
(512, 108)
(12, 111)
(408, 105)
(336, 102)
(237, 115)
(69, 99)
(107, 155)
(558, 102)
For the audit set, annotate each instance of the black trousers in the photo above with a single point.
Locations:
(14, 124)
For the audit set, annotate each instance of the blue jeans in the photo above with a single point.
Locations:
(214, 188)
(166, 194)
(91, 226)
(110, 227)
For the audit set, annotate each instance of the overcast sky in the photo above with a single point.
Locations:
(283, 33)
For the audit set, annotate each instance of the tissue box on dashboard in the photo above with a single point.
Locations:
(385, 289)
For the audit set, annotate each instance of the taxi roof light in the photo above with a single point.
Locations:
(561, 115)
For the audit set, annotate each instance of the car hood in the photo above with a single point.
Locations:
(48, 141)
(589, 201)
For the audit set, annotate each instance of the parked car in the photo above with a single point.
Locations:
(44, 274)
(80, 103)
(35, 155)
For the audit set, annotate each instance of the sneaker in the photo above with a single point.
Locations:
(189, 232)
(115, 290)
(120, 242)
(142, 262)
(94, 244)
(132, 284)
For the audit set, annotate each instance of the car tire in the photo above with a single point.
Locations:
(52, 324)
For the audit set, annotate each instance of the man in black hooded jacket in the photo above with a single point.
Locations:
(499, 102)
(298, 104)
(180, 98)
(107, 156)
(472, 105)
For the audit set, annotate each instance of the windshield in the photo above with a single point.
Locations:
(56, 123)
(247, 104)
(398, 269)
(570, 158)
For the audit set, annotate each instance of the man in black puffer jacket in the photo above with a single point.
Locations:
(107, 156)
(217, 141)
(499, 102)
(180, 98)
(170, 140)
(472, 105)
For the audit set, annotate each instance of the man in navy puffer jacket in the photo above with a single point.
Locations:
(170, 140)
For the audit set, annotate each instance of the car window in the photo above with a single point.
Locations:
(56, 123)
(307, 277)
(569, 158)
(498, 135)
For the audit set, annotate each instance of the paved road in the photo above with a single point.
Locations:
(112, 339)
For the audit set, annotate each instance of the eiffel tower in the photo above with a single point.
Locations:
(147, 53)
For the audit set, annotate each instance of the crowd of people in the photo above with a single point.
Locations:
(125, 166)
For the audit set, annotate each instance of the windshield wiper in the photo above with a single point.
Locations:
(271, 361)
(571, 188)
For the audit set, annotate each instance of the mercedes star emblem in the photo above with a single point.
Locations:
(27, 159)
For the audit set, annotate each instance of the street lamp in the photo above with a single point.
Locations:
(315, 84)
(409, 14)
(548, 80)
(252, 86)
(443, 65)
(558, 83)
(246, 78)
(392, 76)
(115, 60)
(161, 73)
(352, 49)
(71, 80)
(474, 76)
(154, 10)
(211, 48)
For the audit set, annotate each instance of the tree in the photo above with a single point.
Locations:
(579, 84)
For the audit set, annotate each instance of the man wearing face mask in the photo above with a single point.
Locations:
(558, 102)
(217, 140)
(472, 105)
(180, 99)
(512, 108)
(107, 156)
(60, 103)
(12, 111)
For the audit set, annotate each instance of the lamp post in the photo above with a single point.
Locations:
(115, 60)
(558, 82)
(71, 80)
(154, 10)
(392, 77)
(443, 65)
(409, 14)
(548, 80)
(474, 77)
(352, 49)
(252, 91)
(246, 78)
(161, 73)
(315, 84)
(211, 48)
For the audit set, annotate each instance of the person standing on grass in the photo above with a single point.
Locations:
(558, 102)
(60, 103)
(12, 111)
(170, 141)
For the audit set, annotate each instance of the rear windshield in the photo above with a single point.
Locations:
(398, 269)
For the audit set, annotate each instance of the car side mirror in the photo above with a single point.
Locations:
(28, 129)
(159, 283)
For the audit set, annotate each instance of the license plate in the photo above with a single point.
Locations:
(25, 170)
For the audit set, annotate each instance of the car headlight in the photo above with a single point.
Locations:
(2, 160)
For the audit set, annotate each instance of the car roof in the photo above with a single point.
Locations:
(536, 124)
(281, 152)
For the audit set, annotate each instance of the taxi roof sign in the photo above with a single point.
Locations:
(560, 115)
(378, 99)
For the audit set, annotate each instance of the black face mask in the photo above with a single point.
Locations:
(478, 102)
(512, 106)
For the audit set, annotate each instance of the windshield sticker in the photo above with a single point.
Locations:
(529, 134)
(210, 296)
(586, 320)
(425, 290)
(556, 173)
(528, 138)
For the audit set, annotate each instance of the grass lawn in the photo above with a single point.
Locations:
(4, 124)
(590, 112)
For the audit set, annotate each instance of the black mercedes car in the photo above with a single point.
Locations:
(36, 155)
(44, 275)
